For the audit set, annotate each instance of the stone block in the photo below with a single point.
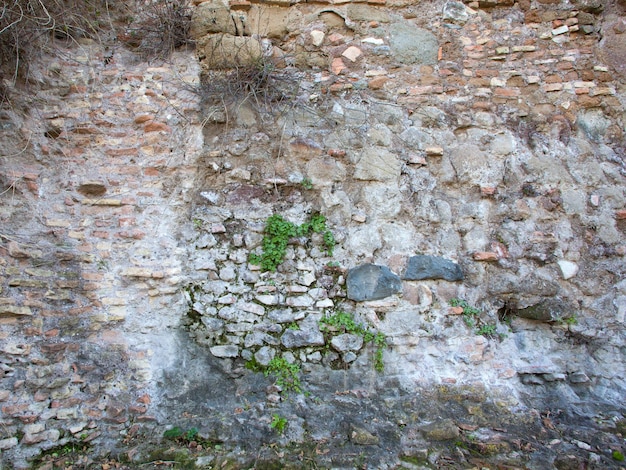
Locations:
(372, 282)
(223, 51)
(431, 267)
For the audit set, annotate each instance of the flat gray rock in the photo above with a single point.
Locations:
(372, 282)
(432, 267)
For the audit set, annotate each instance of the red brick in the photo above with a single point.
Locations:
(151, 171)
(155, 126)
(485, 256)
(122, 152)
(507, 92)
(621, 214)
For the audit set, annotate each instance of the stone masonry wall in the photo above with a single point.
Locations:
(467, 157)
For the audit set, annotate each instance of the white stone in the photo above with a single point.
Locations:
(8, 443)
(376, 41)
(252, 307)
(569, 269)
(307, 279)
(560, 30)
(268, 299)
(317, 37)
(226, 350)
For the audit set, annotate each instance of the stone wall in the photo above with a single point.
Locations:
(468, 159)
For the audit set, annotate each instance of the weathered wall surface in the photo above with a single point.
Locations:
(487, 136)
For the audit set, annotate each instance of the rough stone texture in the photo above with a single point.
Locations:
(431, 267)
(133, 197)
(371, 282)
(412, 45)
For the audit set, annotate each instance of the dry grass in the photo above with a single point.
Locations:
(29, 27)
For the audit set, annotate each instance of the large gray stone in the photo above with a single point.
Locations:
(455, 12)
(413, 45)
(593, 123)
(302, 338)
(372, 282)
(549, 310)
(432, 267)
(377, 164)
(347, 342)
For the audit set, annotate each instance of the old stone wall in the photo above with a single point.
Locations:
(468, 160)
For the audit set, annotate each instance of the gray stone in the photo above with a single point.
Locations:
(302, 338)
(590, 6)
(455, 12)
(443, 430)
(212, 324)
(264, 355)
(548, 310)
(363, 437)
(8, 443)
(593, 123)
(225, 350)
(432, 267)
(377, 164)
(578, 377)
(285, 315)
(413, 45)
(347, 342)
(361, 12)
(372, 282)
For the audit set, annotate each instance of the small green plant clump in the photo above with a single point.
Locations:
(486, 330)
(307, 183)
(470, 314)
(278, 231)
(278, 423)
(344, 322)
(472, 319)
(287, 374)
(180, 435)
(617, 455)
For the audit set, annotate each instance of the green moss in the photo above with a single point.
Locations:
(617, 455)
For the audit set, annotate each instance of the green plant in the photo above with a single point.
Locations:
(571, 320)
(293, 326)
(486, 330)
(278, 423)
(307, 183)
(276, 237)
(178, 434)
(197, 223)
(287, 375)
(344, 322)
(617, 455)
(470, 314)
(173, 433)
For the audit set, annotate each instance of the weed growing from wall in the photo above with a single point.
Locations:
(278, 423)
(343, 322)
(277, 234)
(286, 374)
(471, 317)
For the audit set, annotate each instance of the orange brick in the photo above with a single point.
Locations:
(485, 256)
